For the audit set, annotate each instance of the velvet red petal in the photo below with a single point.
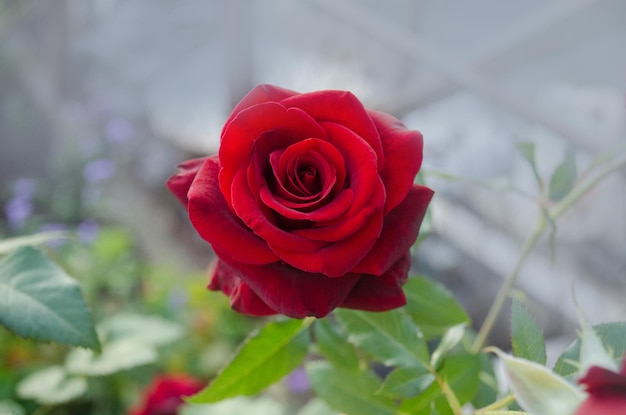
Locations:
(609, 404)
(292, 292)
(214, 221)
(250, 124)
(343, 108)
(400, 230)
(380, 293)
(599, 379)
(180, 182)
(338, 258)
(403, 156)
(259, 95)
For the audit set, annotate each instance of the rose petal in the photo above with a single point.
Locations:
(261, 222)
(239, 137)
(338, 258)
(214, 221)
(259, 95)
(609, 404)
(180, 182)
(403, 156)
(342, 108)
(599, 379)
(400, 230)
(380, 293)
(292, 292)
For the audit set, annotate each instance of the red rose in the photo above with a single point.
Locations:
(165, 395)
(607, 392)
(309, 205)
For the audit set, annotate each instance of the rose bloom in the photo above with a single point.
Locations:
(309, 205)
(165, 395)
(607, 392)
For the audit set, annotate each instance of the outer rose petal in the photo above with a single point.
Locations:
(259, 95)
(609, 404)
(211, 217)
(403, 156)
(381, 293)
(599, 379)
(289, 291)
(400, 230)
(180, 182)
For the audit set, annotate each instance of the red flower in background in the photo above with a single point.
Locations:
(165, 395)
(309, 205)
(607, 392)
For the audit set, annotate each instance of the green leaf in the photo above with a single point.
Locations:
(527, 337)
(51, 386)
(432, 307)
(391, 336)
(407, 382)
(612, 336)
(334, 345)
(450, 339)
(488, 389)
(564, 177)
(116, 356)
(263, 359)
(10, 244)
(39, 300)
(11, 408)
(538, 390)
(460, 372)
(349, 392)
(527, 150)
(149, 330)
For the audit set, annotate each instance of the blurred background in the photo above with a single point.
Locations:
(101, 99)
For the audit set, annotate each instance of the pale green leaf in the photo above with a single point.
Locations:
(527, 337)
(390, 337)
(116, 356)
(51, 386)
(527, 150)
(317, 406)
(334, 345)
(39, 300)
(406, 382)
(432, 307)
(8, 407)
(10, 244)
(235, 406)
(349, 392)
(450, 339)
(538, 390)
(564, 177)
(150, 330)
(264, 358)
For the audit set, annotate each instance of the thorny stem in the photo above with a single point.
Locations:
(553, 213)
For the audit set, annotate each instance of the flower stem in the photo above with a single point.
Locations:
(497, 405)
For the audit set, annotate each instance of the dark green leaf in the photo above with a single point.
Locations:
(334, 345)
(39, 300)
(407, 382)
(612, 335)
(432, 307)
(564, 177)
(264, 358)
(461, 374)
(350, 392)
(391, 337)
(527, 150)
(527, 337)
(488, 390)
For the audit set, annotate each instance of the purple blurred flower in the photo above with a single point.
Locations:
(24, 188)
(54, 227)
(118, 130)
(99, 170)
(88, 230)
(298, 381)
(17, 210)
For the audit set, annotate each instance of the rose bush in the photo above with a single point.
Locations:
(607, 392)
(165, 395)
(309, 205)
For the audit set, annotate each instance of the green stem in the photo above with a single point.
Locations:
(505, 288)
(497, 405)
(553, 213)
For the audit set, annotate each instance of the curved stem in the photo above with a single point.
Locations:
(505, 288)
